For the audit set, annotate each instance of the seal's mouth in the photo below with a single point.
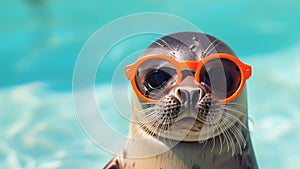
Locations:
(189, 120)
(186, 123)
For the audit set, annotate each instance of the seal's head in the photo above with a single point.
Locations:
(189, 87)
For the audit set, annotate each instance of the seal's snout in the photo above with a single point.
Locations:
(188, 96)
(189, 92)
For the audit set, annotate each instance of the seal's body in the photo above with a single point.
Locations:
(187, 123)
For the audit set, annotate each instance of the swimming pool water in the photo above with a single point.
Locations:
(40, 129)
(41, 41)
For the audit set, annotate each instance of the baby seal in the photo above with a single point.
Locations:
(189, 107)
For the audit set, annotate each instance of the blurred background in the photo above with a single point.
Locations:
(41, 40)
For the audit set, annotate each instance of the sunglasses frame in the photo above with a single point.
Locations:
(245, 70)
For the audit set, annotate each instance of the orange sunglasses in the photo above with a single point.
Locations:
(209, 70)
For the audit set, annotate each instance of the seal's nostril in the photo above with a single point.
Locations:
(182, 94)
(178, 92)
(189, 95)
(195, 92)
(195, 95)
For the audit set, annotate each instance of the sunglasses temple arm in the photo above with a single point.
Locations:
(129, 72)
(248, 71)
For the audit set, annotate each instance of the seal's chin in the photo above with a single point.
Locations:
(187, 129)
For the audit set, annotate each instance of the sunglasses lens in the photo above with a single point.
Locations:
(154, 77)
(223, 76)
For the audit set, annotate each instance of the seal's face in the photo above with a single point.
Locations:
(186, 96)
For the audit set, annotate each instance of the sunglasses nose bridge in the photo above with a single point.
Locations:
(192, 64)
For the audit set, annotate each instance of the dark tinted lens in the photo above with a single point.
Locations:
(156, 79)
(222, 75)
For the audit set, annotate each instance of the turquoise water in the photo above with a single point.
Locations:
(40, 42)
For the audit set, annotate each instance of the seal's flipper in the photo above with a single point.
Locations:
(113, 164)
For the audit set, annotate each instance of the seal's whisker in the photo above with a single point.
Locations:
(156, 95)
(148, 111)
(235, 113)
(205, 141)
(139, 113)
(151, 117)
(208, 47)
(159, 93)
(213, 47)
(242, 139)
(220, 138)
(229, 137)
(231, 103)
(143, 118)
(230, 110)
(236, 133)
(210, 133)
(159, 44)
(225, 137)
(205, 119)
(215, 127)
(134, 133)
(169, 135)
(214, 143)
(202, 119)
(232, 141)
(212, 140)
(229, 130)
(149, 129)
(152, 40)
(166, 44)
(148, 119)
(145, 111)
(160, 128)
(228, 115)
(145, 122)
(234, 110)
(239, 133)
(148, 103)
(166, 129)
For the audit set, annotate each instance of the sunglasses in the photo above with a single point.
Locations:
(152, 75)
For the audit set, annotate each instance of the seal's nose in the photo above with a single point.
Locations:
(188, 98)
(189, 92)
(188, 95)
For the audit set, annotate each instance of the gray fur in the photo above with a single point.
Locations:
(216, 152)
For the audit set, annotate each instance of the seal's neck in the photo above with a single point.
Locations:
(214, 153)
(225, 151)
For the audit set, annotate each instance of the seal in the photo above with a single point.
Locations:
(189, 107)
